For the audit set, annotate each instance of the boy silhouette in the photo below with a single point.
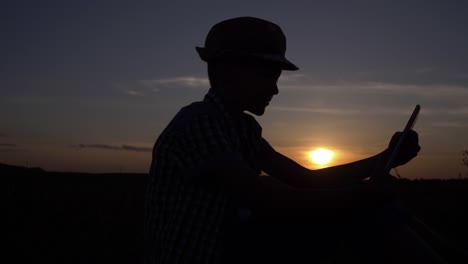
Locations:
(206, 202)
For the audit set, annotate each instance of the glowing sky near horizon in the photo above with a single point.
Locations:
(89, 85)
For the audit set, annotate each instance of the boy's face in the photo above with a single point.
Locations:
(258, 85)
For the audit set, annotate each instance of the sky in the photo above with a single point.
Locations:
(88, 86)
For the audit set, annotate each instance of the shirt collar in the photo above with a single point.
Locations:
(213, 97)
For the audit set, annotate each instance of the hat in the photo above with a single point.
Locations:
(246, 38)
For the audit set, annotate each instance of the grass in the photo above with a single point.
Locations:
(91, 218)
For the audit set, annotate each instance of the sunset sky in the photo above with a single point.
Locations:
(89, 85)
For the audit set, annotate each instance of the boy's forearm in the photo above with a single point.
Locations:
(293, 174)
(352, 172)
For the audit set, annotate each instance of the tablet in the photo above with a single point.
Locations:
(404, 134)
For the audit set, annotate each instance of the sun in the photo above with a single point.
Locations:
(321, 156)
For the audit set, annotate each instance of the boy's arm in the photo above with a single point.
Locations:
(230, 174)
(292, 173)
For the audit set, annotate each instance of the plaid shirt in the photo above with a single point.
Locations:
(184, 221)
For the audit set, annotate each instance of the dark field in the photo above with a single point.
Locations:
(98, 218)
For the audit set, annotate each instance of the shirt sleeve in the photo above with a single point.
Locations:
(264, 146)
(260, 144)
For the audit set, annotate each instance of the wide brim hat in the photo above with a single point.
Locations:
(246, 38)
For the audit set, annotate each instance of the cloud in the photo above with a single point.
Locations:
(138, 149)
(372, 99)
(194, 81)
(141, 88)
(131, 89)
(186, 81)
(8, 145)
(134, 93)
(450, 124)
(421, 90)
(458, 111)
(462, 75)
(111, 147)
(331, 111)
(356, 111)
(424, 70)
(291, 77)
(100, 146)
(381, 88)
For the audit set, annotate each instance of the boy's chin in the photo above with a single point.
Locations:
(258, 111)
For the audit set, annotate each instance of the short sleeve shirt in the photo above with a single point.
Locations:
(185, 222)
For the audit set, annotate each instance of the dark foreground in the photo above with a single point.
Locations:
(98, 218)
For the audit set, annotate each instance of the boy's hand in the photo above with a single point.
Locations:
(409, 148)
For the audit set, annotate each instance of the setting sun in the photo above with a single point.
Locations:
(321, 156)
